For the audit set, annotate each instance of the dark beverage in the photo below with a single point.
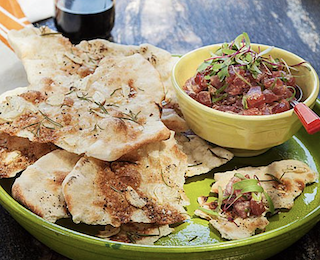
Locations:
(84, 20)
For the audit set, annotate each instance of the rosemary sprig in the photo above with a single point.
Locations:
(85, 97)
(131, 117)
(51, 33)
(72, 90)
(113, 92)
(115, 189)
(50, 120)
(43, 32)
(96, 127)
(40, 124)
(274, 178)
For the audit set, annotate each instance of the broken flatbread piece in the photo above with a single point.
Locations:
(148, 189)
(66, 65)
(247, 194)
(117, 114)
(202, 157)
(282, 180)
(136, 233)
(237, 228)
(39, 186)
(47, 55)
(17, 153)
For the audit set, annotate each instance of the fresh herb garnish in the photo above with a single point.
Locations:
(252, 185)
(219, 98)
(209, 212)
(131, 116)
(115, 189)
(96, 127)
(41, 123)
(273, 178)
(113, 92)
(237, 58)
(89, 99)
(293, 93)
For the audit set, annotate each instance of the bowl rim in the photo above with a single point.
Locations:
(310, 100)
(9, 203)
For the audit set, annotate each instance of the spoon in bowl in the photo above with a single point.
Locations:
(309, 119)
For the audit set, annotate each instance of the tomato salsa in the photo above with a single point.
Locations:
(237, 79)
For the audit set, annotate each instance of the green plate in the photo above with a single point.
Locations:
(194, 239)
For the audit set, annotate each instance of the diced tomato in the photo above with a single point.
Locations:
(254, 97)
(229, 189)
(269, 96)
(242, 209)
(198, 78)
(278, 74)
(291, 81)
(204, 97)
(242, 85)
(265, 109)
(215, 81)
(281, 107)
(282, 91)
(268, 82)
(257, 208)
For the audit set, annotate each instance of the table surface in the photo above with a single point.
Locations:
(183, 25)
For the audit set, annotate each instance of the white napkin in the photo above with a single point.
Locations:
(12, 73)
(36, 10)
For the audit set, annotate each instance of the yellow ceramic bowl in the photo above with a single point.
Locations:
(246, 135)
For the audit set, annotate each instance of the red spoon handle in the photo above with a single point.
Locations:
(308, 118)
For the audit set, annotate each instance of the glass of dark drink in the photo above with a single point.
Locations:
(84, 20)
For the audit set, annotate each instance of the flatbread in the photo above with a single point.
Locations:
(162, 60)
(118, 112)
(283, 181)
(17, 153)
(39, 186)
(146, 189)
(136, 233)
(238, 228)
(48, 57)
(202, 156)
(51, 61)
(293, 175)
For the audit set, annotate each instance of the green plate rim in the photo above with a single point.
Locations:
(11, 205)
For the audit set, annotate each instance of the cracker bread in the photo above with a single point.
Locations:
(50, 59)
(147, 187)
(17, 153)
(202, 156)
(293, 175)
(116, 114)
(136, 233)
(39, 186)
(283, 181)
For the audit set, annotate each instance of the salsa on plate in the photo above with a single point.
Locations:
(237, 79)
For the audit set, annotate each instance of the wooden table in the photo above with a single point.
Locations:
(180, 26)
